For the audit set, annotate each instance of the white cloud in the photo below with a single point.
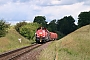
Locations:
(87, 2)
(57, 12)
(15, 10)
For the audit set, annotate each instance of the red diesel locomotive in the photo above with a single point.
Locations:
(43, 35)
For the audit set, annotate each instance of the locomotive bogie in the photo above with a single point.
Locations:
(41, 40)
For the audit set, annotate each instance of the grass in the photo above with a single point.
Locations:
(74, 46)
(10, 41)
(47, 54)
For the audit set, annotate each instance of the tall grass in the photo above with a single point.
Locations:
(48, 53)
(74, 46)
(10, 41)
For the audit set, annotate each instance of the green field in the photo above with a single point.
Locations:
(74, 46)
(10, 41)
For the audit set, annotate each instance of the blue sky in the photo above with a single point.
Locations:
(14, 11)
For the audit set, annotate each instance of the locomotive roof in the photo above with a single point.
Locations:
(41, 28)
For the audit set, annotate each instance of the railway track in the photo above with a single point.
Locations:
(12, 55)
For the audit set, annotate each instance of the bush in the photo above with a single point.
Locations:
(28, 30)
(3, 28)
(20, 24)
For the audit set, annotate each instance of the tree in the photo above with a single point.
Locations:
(66, 25)
(52, 26)
(3, 28)
(84, 19)
(20, 24)
(40, 20)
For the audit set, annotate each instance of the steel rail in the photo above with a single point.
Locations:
(15, 53)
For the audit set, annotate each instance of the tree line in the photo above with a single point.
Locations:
(61, 26)
(64, 25)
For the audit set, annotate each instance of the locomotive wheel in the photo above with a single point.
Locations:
(44, 41)
(37, 41)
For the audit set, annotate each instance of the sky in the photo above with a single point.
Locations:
(14, 11)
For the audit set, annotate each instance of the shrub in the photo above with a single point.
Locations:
(29, 29)
(3, 28)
